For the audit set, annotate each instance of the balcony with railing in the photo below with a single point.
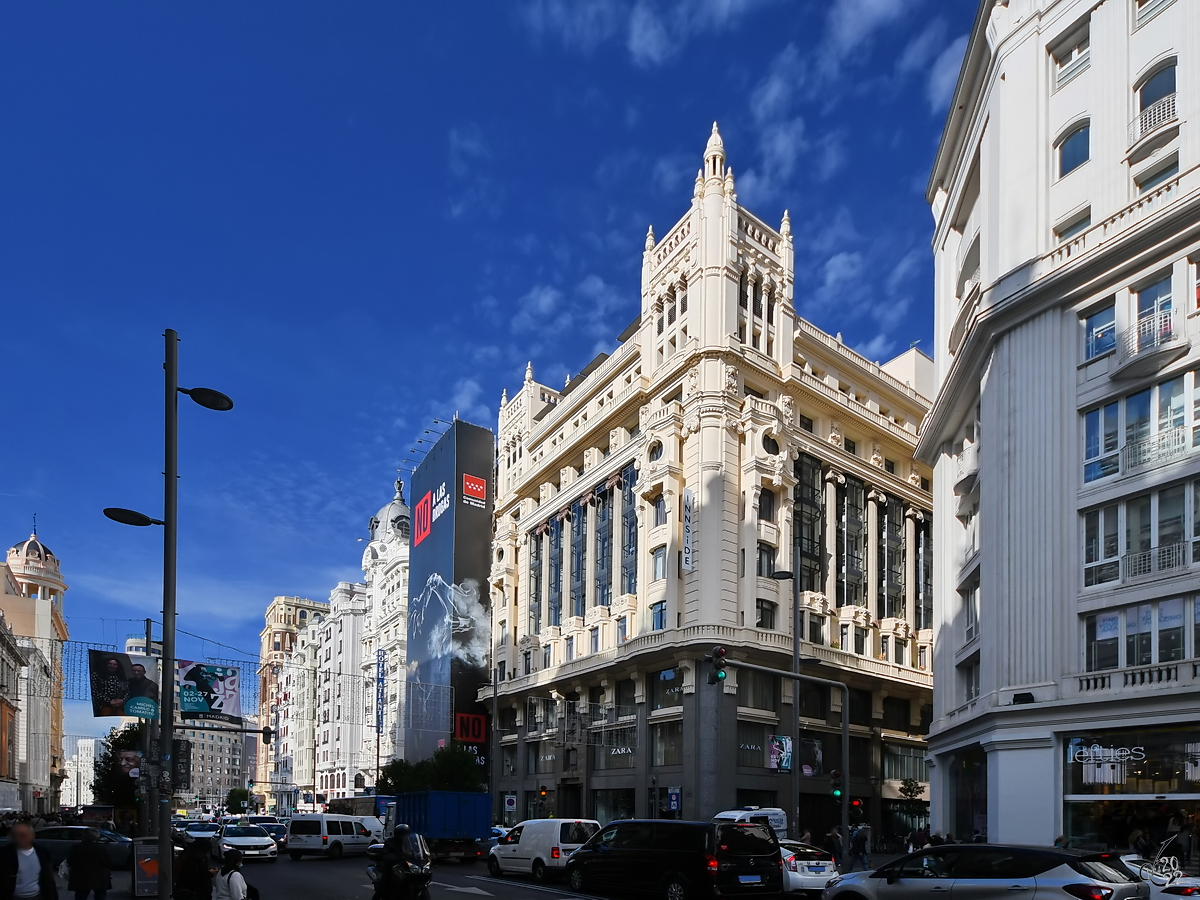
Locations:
(967, 469)
(1157, 115)
(1150, 344)
(1164, 447)
(1138, 678)
(1167, 559)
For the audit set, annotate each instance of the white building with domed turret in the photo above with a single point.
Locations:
(640, 513)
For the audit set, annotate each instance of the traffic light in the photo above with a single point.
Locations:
(718, 673)
(542, 791)
(267, 733)
(856, 808)
(835, 784)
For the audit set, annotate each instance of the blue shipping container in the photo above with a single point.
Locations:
(446, 815)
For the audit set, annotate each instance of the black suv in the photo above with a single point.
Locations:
(680, 860)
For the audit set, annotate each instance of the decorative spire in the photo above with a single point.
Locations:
(650, 238)
(729, 181)
(399, 486)
(504, 397)
(716, 146)
(699, 189)
(35, 525)
(529, 372)
(786, 227)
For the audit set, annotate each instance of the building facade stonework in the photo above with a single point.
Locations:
(641, 512)
(1066, 193)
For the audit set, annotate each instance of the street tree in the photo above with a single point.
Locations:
(112, 783)
(236, 800)
(452, 768)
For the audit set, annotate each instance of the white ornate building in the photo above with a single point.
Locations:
(640, 512)
(1066, 192)
(385, 573)
(293, 755)
(341, 764)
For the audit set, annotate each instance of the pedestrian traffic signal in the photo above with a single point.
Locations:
(835, 783)
(718, 673)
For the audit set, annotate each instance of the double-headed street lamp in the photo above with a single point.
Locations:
(209, 399)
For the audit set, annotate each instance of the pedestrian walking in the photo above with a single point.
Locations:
(26, 870)
(806, 836)
(228, 884)
(193, 875)
(88, 868)
(858, 848)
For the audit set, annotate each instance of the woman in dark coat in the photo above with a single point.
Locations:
(193, 875)
(89, 868)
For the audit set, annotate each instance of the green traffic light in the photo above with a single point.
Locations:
(837, 793)
(721, 673)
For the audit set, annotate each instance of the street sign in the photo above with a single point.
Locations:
(510, 802)
(674, 798)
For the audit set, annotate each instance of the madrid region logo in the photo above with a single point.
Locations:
(474, 491)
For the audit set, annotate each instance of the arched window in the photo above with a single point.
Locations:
(770, 445)
(656, 451)
(1074, 149)
(766, 505)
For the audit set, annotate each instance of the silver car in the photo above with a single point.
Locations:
(991, 872)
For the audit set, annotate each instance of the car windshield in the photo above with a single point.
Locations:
(203, 826)
(746, 840)
(274, 829)
(576, 832)
(233, 831)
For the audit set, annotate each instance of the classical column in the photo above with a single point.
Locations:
(832, 480)
(589, 543)
(875, 499)
(911, 517)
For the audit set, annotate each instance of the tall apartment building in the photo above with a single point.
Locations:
(342, 767)
(385, 566)
(283, 620)
(640, 514)
(294, 752)
(35, 613)
(1066, 192)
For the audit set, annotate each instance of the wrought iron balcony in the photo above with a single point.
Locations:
(1150, 344)
(1164, 447)
(1153, 117)
(1163, 560)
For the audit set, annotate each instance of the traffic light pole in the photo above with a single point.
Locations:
(840, 685)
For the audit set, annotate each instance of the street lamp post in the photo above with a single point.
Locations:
(209, 399)
(784, 575)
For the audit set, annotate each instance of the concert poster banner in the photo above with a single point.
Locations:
(208, 692)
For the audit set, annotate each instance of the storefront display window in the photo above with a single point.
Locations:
(1156, 762)
(666, 689)
(611, 805)
(666, 744)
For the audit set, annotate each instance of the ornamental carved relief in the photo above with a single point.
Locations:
(787, 408)
(835, 434)
(876, 455)
(693, 380)
(731, 380)
(914, 477)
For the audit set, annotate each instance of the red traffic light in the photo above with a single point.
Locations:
(856, 803)
(835, 774)
(719, 652)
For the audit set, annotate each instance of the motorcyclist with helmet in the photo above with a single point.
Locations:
(403, 868)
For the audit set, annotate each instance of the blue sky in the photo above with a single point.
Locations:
(363, 216)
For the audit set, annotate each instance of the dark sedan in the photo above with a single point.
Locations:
(60, 839)
(277, 832)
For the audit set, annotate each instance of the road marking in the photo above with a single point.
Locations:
(562, 894)
(462, 890)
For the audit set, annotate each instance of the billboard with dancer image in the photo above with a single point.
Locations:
(449, 613)
(209, 692)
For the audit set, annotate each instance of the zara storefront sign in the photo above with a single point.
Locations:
(689, 529)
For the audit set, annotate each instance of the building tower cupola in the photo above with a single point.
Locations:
(714, 155)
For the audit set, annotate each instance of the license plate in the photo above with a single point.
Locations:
(750, 879)
(816, 868)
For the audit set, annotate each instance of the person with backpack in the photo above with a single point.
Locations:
(858, 848)
(228, 884)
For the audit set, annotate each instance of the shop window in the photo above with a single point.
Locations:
(666, 744)
(758, 690)
(666, 688)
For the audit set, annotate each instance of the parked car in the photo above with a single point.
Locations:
(805, 868)
(771, 815)
(324, 834)
(61, 839)
(678, 860)
(1165, 881)
(198, 830)
(991, 872)
(252, 840)
(540, 847)
(278, 834)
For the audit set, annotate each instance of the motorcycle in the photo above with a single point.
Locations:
(401, 872)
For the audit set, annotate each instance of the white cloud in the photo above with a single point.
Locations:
(773, 95)
(851, 23)
(536, 307)
(878, 348)
(904, 269)
(923, 48)
(841, 269)
(466, 147)
(673, 171)
(475, 191)
(943, 75)
(654, 32)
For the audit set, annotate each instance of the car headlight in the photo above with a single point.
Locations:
(836, 879)
(228, 847)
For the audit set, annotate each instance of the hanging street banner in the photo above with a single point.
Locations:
(380, 689)
(123, 685)
(209, 692)
(689, 529)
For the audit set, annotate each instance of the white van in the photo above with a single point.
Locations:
(331, 835)
(760, 815)
(540, 847)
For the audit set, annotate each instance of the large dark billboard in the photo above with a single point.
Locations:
(449, 617)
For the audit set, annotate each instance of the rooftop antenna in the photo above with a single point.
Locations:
(35, 524)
